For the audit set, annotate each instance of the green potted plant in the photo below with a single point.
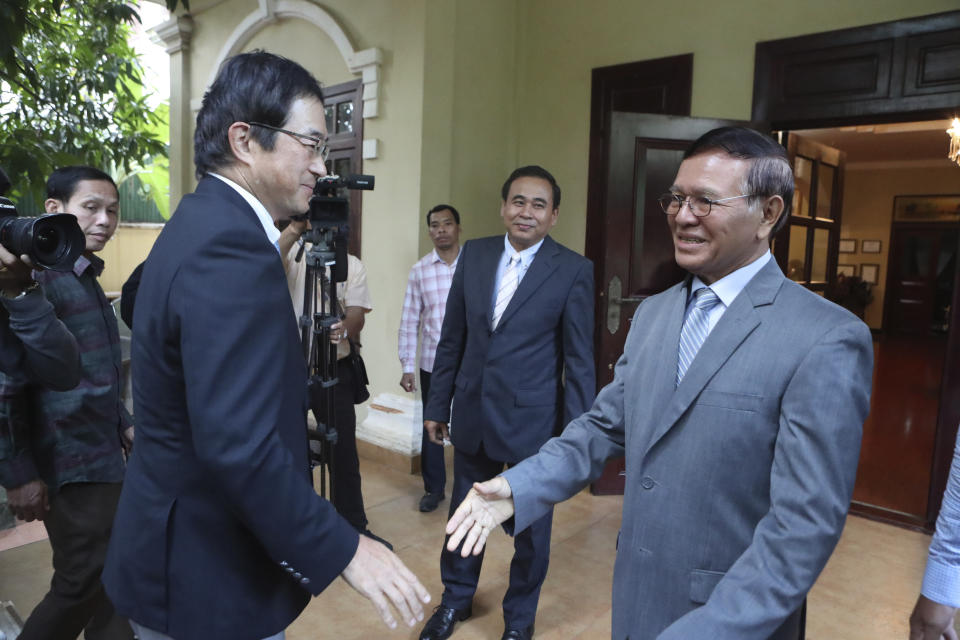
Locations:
(850, 292)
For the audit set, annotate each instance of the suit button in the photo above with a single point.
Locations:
(297, 575)
(304, 580)
(647, 482)
(283, 563)
(288, 569)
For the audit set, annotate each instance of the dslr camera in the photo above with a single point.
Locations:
(53, 241)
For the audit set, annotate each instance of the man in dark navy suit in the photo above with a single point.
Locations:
(516, 358)
(219, 532)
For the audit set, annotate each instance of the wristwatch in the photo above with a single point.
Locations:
(33, 286)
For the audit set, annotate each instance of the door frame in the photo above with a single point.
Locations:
(661, 86)
(904, 89)
(900, 65)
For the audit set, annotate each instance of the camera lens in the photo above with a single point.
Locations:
(47, 240)
(52, 241)
(48, 243)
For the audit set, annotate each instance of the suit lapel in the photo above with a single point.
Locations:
(544, 263)
(736, 325)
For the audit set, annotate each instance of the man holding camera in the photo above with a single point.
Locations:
(219, 532)
(33, 341)
(354, 301)
(60, 450)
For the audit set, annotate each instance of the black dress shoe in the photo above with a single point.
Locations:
(429, 501)
(518, 634)
(373, 536)
(441, 623)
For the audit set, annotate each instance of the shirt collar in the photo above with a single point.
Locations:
(435, 258)
(273, 234)
(84, 261)
(729, 286)
(527, 255)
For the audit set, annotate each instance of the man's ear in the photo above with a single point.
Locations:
(52, 205)
(773, 208)
(239, 136)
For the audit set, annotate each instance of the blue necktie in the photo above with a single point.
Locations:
(695, 329)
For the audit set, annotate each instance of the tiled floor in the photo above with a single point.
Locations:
(866, 591)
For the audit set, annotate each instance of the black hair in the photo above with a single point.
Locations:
(770, 173)
(443, 207)
(250, 87)
(63, 182)
(532, 171)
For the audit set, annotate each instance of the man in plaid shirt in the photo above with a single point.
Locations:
(60, 451)
(423, 308)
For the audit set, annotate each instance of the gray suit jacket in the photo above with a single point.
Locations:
(739, 480)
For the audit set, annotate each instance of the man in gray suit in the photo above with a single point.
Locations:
(738, 402)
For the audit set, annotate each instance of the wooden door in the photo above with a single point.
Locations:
(343, 110)
(807, 247)
(919, 278)
(645, 151)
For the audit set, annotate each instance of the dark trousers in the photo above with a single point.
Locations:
(347, 497)
(78, 525)
(432, 465)
(531, 551)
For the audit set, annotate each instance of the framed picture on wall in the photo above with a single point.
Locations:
(848, 245)
(933, 208)
(870, 246)
(869, 272)
(846, 270)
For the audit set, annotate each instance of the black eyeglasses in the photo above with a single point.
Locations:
(671, 203)
(318, 145)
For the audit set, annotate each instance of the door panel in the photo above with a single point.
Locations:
(921, 258)
(807, 247)
(645, 151)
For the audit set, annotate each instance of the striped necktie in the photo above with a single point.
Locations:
(508, 286)
(695, 329)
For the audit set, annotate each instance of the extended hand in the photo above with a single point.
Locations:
(29, 501)
(408, 382)
(932, 621)
(436, 431)
(379, 575)
(487, 505)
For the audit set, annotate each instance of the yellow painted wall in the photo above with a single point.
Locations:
(562, 40)
(470, 89)
(127, 248)
(306, 44)
(868, 212)
(469, 139)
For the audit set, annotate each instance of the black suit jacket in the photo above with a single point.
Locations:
(513, 387)
(219, 533)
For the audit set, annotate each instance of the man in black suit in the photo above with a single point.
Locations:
(219, 532)
(516, 358)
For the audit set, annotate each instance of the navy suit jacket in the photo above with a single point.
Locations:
(219, 532)
(515, 386)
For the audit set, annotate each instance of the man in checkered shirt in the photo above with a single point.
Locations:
(423, 308)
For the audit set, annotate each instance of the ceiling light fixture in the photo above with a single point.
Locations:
(954, 133)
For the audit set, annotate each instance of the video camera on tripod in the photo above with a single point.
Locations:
(327, 235)
(51, 241)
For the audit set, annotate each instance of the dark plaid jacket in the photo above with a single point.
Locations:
(69, 436)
